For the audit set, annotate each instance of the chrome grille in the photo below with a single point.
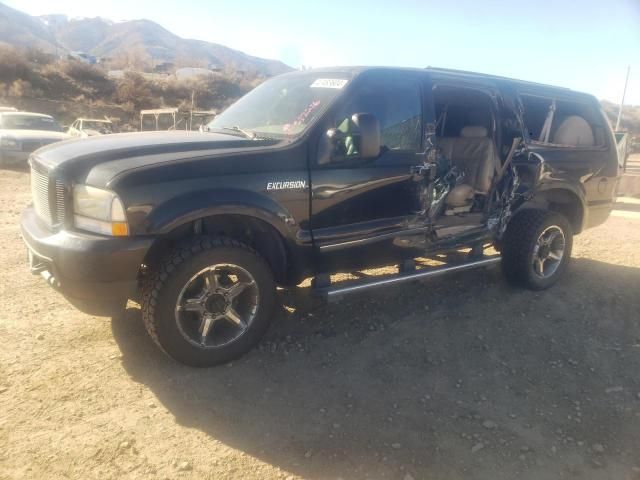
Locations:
(50, 208)
(40, 195)
(60, 204)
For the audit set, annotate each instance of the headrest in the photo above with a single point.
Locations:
(473, 132)
(574, 131)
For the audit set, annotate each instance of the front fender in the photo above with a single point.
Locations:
(192, 206)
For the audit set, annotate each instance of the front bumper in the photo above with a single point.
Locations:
(97, 274)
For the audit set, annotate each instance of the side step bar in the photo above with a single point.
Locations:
(335, 292)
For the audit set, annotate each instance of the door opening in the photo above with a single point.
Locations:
(466, 137)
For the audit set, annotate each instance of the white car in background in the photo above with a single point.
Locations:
(89, 127)
(21, 133)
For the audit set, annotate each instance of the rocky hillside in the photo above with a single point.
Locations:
(68, 88)
(630, 119)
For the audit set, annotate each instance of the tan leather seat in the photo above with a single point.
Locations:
(474, 153)
(460, 196)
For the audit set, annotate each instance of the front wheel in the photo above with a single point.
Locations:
(536, 248)
(209, 301)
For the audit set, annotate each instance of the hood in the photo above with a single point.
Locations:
(33, 134)
(97, 160)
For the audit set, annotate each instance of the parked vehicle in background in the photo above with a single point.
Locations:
(21, 133)
(8, 109)
(89, 127)
(83, 57)
(315, 173)
(175, 119)
(159, 119)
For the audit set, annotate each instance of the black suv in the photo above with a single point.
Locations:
(314, 173)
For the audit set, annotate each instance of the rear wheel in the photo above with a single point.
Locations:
(536, 248)
(209, 302)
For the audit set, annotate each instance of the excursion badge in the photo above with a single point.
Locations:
(287, 185)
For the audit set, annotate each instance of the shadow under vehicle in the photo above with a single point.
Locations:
(387, 370)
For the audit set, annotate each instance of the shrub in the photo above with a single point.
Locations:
(82, 72)
(14, 66)
(134, 89)
(21, 88)
(33, 55)
(215, 91)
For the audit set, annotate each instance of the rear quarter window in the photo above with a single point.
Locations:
(562, 122)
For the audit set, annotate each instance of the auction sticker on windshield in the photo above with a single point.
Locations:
(329, 83)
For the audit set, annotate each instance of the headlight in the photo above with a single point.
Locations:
(9, 143)
(99, 211)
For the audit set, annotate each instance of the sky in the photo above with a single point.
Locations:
(585, 45)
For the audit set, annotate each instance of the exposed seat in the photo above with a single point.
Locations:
(474, 153)
(574, 131)
(460, 196)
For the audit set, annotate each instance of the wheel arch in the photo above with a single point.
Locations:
(249, 230)
(245, 216)
(560, 199)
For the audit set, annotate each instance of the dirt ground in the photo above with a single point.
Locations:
(462, 377)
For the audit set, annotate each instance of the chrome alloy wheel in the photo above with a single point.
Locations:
(217, 305)
(548, 251)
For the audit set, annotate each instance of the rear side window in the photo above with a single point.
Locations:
(561, 122)
(397, 104)
(536, 110)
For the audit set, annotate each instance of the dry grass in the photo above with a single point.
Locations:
(29, 76)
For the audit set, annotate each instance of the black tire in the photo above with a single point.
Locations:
(161, 290)
(519, 248)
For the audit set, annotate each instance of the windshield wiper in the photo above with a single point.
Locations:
(251, 135)
(247, 133)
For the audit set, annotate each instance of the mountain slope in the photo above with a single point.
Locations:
(104, 38)
(22, 30)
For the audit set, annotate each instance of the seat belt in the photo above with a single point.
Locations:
(514, 146)
(546, 127)
(503, 169)
(441, 121)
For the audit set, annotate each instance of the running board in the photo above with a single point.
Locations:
(334, 292)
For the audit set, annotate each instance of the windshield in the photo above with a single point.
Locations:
(282, 107)
(28, 122)
(102, 127)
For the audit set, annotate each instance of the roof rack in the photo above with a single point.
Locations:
(495, 77)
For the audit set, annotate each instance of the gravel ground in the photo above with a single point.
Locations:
(461, 377)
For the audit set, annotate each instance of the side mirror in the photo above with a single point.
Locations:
(368, 129)
(362, 140)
